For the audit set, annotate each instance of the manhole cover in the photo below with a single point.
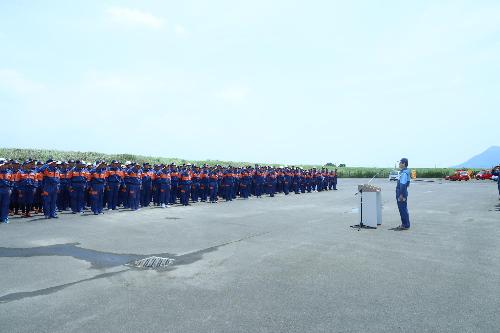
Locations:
(152, 262)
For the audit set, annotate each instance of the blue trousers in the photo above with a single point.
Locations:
(173, 193)
(27, 195)
(96, 198)
(203, 191)
(146, 194)
(63, 197)
(195, 192)
(134, 192)
(4, 203)
(77, 195)
(403, 212)
(229, 192)
(113, 190)
(156, 193)
(185, 190)
(259, 188)
(271, 189)
(49, 199)
(286, 188)
(123, 197)
(214, 188)
(164, 197)
(244, 190)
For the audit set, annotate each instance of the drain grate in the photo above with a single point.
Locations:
(152, 262)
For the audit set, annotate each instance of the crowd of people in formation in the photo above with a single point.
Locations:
(55, 186)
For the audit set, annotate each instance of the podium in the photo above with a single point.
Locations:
(371, 206)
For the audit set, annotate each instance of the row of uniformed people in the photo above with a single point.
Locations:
(58, 185)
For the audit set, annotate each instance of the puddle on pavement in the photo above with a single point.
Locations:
(100, 260)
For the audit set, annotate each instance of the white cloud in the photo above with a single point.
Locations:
(13, 81)
(128, 16)
(179, 30)
(233, 94)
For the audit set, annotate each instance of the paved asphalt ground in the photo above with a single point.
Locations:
(288, 264)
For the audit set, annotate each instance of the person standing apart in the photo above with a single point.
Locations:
(402, 194)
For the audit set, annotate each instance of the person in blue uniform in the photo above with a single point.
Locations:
(228, 183)
(185, 185)
(133, 181)
(195, 186)
(113, 182)
(156, 184)
(402, 194)
(204, 183)
(259, 179)
(280, 178)
(27, 187)
(50, 187)
(213, 185)
(164, 184)
(271, 182)
(37, 205)
(63, 200)
(296, 181)
(97, 185)
(245, 183)
(14, 196)
(175, 176)
(5, 191)
(147, 185)
(303, 181)
(78, 177)
(287, 180)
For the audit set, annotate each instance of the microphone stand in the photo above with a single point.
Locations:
(361, 224)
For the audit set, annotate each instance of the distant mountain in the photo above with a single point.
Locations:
(490, 157)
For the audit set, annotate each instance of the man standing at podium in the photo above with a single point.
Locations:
(402, 194)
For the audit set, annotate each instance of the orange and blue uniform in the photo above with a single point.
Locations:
(27, 185)
(195, 186)
(204, 184)
(97, 184)
(133, 182)
(78, 178)
(271, 183)
(113, 182)
(185, 184)
(5, 191)
(213, 185)
(50, 187)
(147, 187)
(228, 182)
(165, 185)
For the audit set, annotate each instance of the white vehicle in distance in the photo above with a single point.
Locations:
(394, 175)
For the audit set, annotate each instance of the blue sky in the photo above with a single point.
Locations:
(356, 82)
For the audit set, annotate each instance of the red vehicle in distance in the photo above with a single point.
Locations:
(484, 174)
(459, 175)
